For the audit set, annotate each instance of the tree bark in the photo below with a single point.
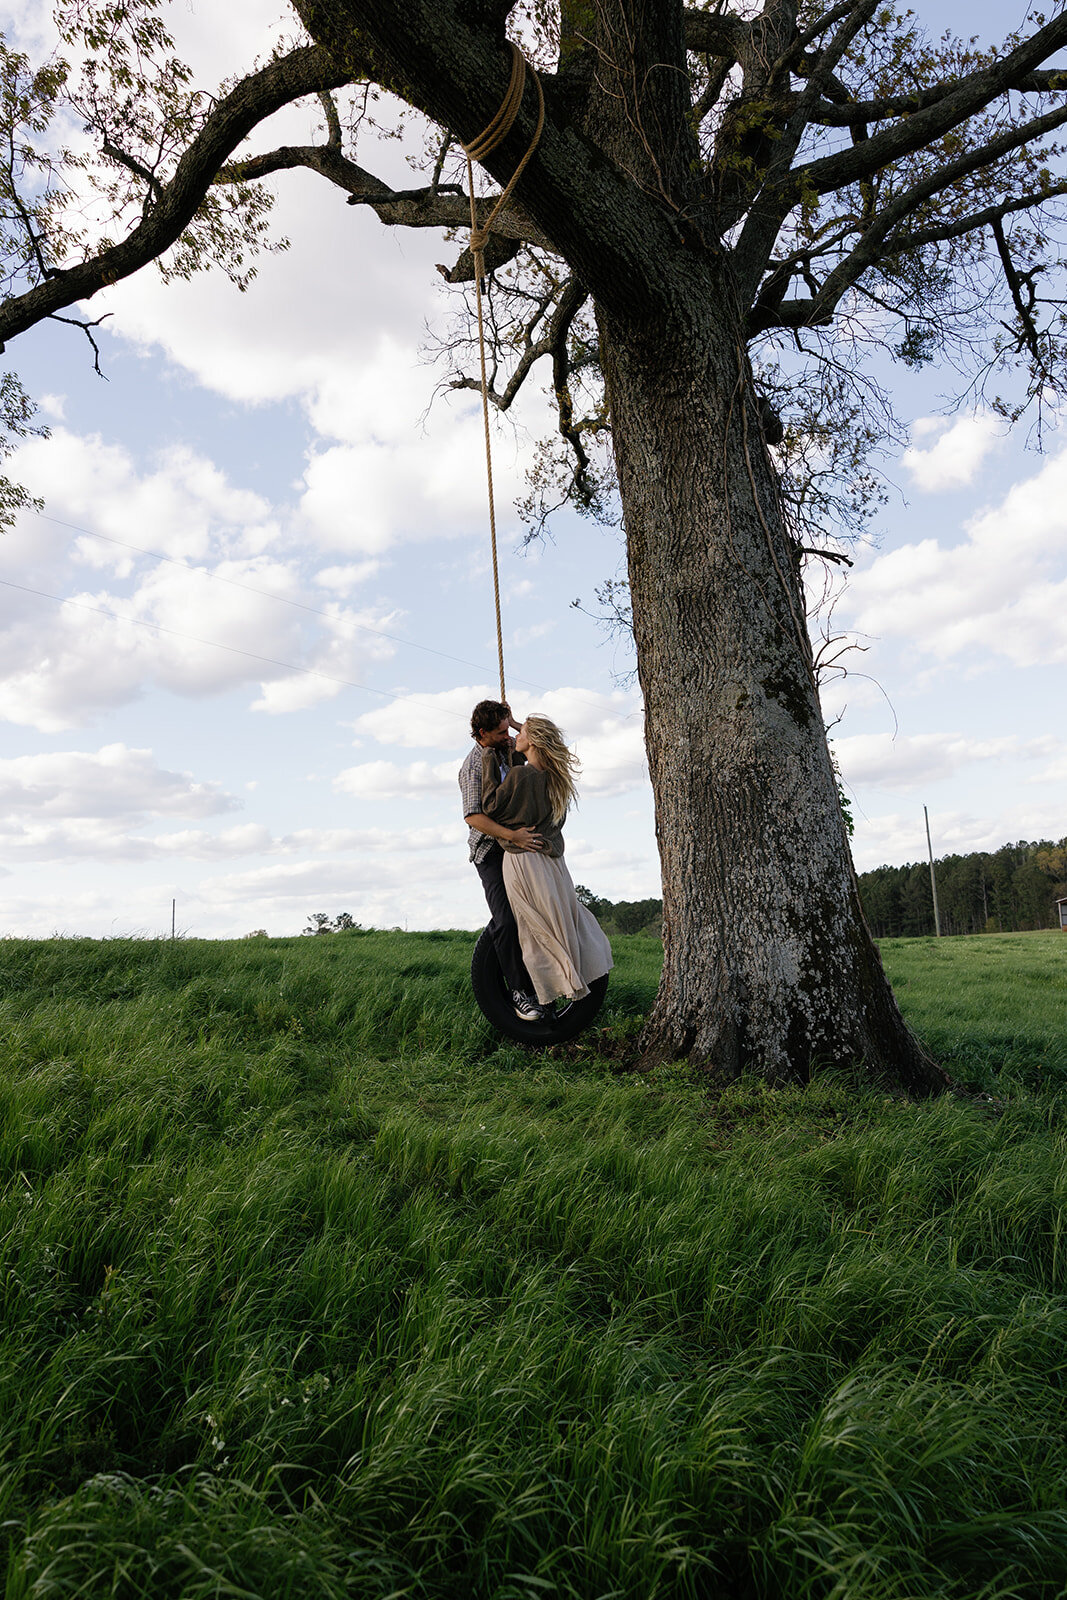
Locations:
(768, 963)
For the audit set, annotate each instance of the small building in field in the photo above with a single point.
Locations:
(1061, 907)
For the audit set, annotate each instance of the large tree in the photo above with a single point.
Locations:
(707, 179)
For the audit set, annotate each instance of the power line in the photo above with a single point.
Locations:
(265, 594)
(299, 605)
(232, 649)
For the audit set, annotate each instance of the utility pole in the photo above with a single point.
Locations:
(173, 906)
(933, 880)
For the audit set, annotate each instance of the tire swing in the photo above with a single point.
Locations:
(566, 1019)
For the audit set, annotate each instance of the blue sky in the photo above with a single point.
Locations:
(272, 725)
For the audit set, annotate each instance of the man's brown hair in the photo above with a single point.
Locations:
(487, 715)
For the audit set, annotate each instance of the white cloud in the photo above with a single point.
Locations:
(57, 837)
(342, 580)
(1001, 591)
(102, 649)
(377, 892)
(440, 721)
(530, 635)
(113, 782)
(32, 26)
(1056, 772)
(904, 762)
(236, 617)
(349, 351)
(614, 763)
(354, 642)
(215, 43)
(73, 913)
(385, 780)
(853, 692)
(898, 837)
(181, 507)
(606, 730)
(383, 394)
(312, 326)
(955, 457)
(251, 838)
(404, 487)
(579, 712)
(632, 874)
(105, 841)
(297, 693)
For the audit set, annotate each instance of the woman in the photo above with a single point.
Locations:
(563, 945)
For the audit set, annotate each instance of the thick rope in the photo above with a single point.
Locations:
(486, 142)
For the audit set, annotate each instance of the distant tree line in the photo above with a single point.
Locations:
(623, 916)
(321, 922)
(1009, 890)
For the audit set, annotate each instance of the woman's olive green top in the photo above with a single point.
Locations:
(519, 801)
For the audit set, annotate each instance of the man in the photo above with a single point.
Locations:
(491, 725)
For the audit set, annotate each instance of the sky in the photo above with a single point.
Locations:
(239, 649)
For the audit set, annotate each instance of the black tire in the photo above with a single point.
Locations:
(494, 999)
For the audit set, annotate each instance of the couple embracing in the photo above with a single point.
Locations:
(516, 793)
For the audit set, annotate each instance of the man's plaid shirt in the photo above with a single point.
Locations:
(470, 788)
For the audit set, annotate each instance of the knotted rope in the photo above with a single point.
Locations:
(486, 142)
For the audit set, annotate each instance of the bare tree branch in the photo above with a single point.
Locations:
(333, 121)
(440, 205)
(1018, 281)
(901, 242)
(87, 329)
(718, 75)
(825, 555)
(303, 71)
(712, 35)
(844, 113)
(148, 178)
(964, 100)
(36, 242)
(874, 241)
(776, 198)
(804, 41)
(570, 302)
(772, 310)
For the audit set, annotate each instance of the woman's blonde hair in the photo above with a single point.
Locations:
(560, 764)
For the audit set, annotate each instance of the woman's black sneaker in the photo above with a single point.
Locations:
(526, 1009)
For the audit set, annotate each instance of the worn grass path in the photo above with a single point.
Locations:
(310, 1289)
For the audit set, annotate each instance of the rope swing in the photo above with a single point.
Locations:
(486, 142)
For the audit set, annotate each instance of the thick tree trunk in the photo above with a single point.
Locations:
(768, 963)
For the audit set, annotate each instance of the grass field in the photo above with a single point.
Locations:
(311, 1288)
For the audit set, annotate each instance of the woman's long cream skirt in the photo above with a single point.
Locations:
(563, 945)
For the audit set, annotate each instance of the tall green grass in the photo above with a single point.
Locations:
(992, 1008)
(311, 1287)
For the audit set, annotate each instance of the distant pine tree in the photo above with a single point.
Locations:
(1010, 890)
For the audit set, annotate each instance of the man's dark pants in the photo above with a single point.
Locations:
(502, 929)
